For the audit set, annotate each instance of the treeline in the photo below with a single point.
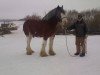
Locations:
(91, 17)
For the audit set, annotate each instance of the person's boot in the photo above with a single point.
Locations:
(82, 54)
(77, 53)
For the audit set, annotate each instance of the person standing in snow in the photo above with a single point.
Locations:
(80, 32)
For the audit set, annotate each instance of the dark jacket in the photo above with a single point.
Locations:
(80, 28)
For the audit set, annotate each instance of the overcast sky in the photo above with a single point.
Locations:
(15, 9)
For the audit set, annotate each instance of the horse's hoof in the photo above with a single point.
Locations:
(52, 53)
(32, 51)
(43, 54)
(29, 53)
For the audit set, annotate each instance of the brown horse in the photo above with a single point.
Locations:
(45, 28)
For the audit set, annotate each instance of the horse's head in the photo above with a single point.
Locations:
(56, 15)
(61, 16)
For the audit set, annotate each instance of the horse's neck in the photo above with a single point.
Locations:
(50, 18)
(49, 15)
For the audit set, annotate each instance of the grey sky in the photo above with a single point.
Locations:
(20, 8)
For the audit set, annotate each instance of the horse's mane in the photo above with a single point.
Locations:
(49, 15)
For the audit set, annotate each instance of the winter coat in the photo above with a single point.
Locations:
(80, 28)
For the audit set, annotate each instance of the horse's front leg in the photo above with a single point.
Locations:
(28, 48)
(43, 52)
(51, 52)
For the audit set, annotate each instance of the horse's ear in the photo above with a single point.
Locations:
(62, 6)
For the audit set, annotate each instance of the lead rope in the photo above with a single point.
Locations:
(67, 45)
(86, 45)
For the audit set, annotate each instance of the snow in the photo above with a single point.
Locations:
(14, 61)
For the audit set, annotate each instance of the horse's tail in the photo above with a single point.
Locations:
(26, 28)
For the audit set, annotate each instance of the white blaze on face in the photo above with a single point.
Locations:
(64, 19)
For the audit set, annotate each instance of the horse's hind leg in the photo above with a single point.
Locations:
(51, 52)
(28, 48)
(43, 53)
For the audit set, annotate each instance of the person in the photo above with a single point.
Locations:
(80, 29)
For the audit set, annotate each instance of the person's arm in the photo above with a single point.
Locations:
(85, 28)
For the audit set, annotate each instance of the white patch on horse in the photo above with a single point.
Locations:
(43, 52)
(44, 45)
(51, 43)
(29, 38)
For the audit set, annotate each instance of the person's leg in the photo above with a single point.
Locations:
(83, 47)
(77, 46)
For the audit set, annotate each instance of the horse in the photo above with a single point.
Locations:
(45, 27)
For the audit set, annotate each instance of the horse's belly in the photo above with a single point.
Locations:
(44, 33)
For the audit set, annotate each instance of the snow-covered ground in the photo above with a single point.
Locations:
(14, 61)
